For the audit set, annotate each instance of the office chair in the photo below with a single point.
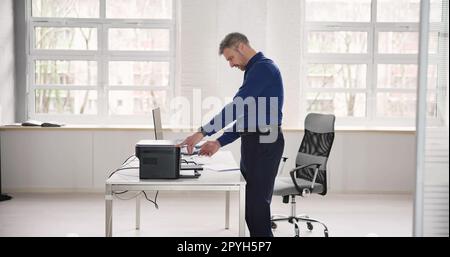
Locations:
(309, 176)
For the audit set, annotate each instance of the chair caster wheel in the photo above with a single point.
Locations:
(274, 225)
(310, 226)
(325, 233)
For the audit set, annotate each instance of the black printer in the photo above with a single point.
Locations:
(158, 159)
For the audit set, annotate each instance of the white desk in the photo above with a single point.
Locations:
(210, 180)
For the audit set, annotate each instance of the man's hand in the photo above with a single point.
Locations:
(210, 148)
(191, 141)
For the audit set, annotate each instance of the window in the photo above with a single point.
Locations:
(360, 60)
(100, 61)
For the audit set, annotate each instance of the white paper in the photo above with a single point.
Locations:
(221, 167)
(187, 172)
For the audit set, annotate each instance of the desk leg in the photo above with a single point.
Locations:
(227, 210)
(138, 211)
(242, 211)
(108, 211)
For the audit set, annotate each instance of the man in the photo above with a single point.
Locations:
(259, 160)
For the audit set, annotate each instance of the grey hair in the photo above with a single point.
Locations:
(232, 40)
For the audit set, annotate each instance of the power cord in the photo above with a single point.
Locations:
(125, 168)
(154, 201)
(125, 199)
(116, 194)
(124, 164)
(128, 159)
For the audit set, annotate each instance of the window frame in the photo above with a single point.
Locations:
(371, 59)
(102, 56)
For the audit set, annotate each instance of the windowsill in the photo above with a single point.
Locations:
(181, 129)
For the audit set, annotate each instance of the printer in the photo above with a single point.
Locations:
(158, 159)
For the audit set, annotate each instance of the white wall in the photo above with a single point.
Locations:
(6, 62)
(80, 160)
(284, 47)
(272, 26)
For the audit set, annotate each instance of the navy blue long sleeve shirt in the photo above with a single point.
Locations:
(262, 84)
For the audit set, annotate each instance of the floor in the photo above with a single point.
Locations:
(198, 214)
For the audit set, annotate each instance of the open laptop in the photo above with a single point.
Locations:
(159, 132)
(185, 165)
(157, 124)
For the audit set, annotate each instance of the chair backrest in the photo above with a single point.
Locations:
(316, 146)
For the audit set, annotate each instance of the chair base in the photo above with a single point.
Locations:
(295, 220)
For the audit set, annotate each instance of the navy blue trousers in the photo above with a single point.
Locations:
(259, 166)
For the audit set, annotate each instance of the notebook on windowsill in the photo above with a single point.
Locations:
(35, 123)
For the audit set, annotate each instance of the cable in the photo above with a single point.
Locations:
(123, 192)
(128, 159)
(154, 201)
(119, 193)
(126, 199)
(119, 169)
(145, 194)
(124, 164)
(112, 173)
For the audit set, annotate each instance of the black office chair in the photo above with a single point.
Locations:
(309, 176)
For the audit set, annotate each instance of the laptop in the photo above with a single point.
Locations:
(185, 165)
(157, 124)
(159, 132)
